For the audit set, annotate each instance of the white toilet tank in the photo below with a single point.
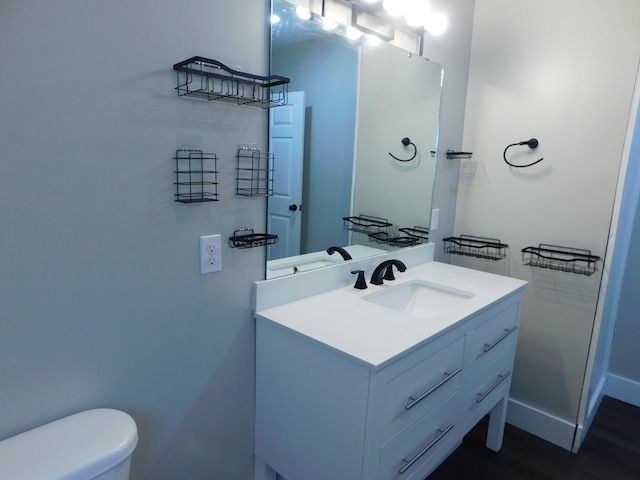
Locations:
(95, 444)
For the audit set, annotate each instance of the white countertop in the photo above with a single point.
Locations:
(373, 334)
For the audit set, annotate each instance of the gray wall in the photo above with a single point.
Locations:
(102, 300)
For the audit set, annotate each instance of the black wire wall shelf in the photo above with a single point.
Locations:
(212, 80)
(246, 238)
(254, 172)
(565, 259)
(196, 176)
(366, 224)
(473, 246)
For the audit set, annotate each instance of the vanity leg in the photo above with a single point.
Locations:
(263, 471)
(497, 418)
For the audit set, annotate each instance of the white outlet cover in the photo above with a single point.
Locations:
(210, 254)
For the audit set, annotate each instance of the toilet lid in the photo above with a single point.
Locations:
(80, 446)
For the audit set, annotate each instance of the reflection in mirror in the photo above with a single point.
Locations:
(351, 105)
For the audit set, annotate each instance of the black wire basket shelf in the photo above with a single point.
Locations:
(478, 247)
(565, 259)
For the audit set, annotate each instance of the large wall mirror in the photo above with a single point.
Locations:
(350, 106)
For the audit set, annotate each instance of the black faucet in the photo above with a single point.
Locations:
(386, 268)
(341, 251)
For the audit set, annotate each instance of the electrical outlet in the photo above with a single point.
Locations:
(210, 254)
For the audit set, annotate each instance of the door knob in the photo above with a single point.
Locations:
(293, 207)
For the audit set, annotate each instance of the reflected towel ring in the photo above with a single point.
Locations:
(406, 142)
(531, 143)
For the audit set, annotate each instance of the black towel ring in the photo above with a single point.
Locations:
(406, 142)
(531, 143)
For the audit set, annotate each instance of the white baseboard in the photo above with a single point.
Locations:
(541, 424)
(623, 389)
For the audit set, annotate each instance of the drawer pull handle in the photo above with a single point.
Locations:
(408, 463)
(447, 376)
(507, 332)
(501, 378)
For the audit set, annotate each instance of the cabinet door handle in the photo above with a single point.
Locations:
(501, 378)
(408, 463)
(507, 332)
(413, 401)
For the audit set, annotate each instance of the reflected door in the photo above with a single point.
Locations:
(286, 142)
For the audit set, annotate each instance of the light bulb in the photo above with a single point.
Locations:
(303, 13)
(329, 24)
(353, 33)
(436, 23)
(373, 40)
(416, 13)
(395, 8)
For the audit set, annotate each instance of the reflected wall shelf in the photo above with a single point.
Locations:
(472, 246)
(451, 154)
(212, 80)
(196, 176)
(254, 173)
(246, 238)
(393, 240)
(421, 233)
(565, 259)
(366, 224)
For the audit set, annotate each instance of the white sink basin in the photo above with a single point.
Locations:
(419, 298)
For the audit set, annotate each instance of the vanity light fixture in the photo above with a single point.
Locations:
(401, 22)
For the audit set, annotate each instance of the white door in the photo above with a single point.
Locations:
(286, 142)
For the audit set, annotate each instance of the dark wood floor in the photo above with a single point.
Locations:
(611, 451)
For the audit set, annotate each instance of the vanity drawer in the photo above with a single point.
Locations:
(489, 340)
(486, 388)
(415, 391)
(414, 453)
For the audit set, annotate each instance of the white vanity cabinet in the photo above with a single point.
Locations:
(323, 412)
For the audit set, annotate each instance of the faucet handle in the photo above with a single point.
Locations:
(388, 273)
(361, 283)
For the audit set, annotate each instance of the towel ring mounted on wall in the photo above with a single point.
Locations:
(406, 142)
(531, 143)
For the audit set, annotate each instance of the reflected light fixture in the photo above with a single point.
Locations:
(373, 40)
(274, 19)
(303, 12)
(353, 33)
(329, 24)
(395, 8)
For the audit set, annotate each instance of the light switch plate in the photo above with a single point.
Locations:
(435, 218)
